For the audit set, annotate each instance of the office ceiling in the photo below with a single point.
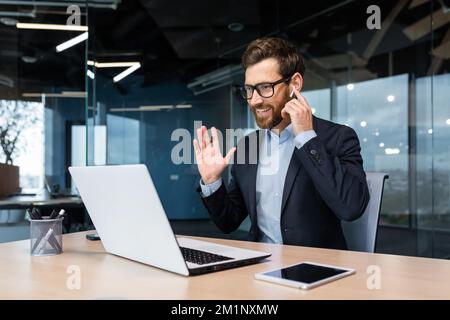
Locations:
(185, 39)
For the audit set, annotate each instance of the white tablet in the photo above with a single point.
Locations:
(305, 275)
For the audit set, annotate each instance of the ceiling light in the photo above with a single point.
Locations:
(70, 43)
(90, 74)
(32, 94)
(350, 86)
(127, 72)
(74, 93)
(140, 109)
(124, 109)
(235, 26)
(156, 107)
(8, 21)
(152, 108)
(113, 64)
(64, 94)
(363, 124)
(390, 98)
(430, 131)
(448, 122)
(29, 59)
(381, 144)
(183, 106)
(6, 81)
(391, 151)
(43, 26)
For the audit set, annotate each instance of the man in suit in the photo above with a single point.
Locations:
(307, 174)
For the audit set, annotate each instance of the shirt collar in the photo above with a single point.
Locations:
(285, 135)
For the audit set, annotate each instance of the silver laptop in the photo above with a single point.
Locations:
(129, 218)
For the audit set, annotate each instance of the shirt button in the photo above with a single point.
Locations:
(276, 194)
(313, 152)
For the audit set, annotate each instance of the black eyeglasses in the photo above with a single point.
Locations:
(265, 89)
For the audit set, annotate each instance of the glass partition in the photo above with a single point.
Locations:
(42, 100)
(380, 68)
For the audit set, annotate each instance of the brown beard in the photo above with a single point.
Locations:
(276, 118)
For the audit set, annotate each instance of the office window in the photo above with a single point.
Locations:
(79, 145)
(433, 152)
(378, 111)
(320, 102)
(29, 151)
(123, 140)
(390, 85)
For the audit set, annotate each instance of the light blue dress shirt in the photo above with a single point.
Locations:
(274, 158)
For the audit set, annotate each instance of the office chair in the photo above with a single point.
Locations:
(361, 234)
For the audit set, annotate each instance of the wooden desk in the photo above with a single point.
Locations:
(104, 276)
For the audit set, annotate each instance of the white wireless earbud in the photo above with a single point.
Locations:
(292, 92)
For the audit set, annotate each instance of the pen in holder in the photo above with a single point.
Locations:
(46, 236)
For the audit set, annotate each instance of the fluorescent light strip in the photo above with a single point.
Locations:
(65, 45)
(116, 64)
(50, 95)
(32, 94)
(112, 64)
(151, 108)
(64, 94)
(127, 72)
(156, 107)
(124, 109)
(132, 110)
(183, 106)
(43, 26)
(74, 93)
(90, 74)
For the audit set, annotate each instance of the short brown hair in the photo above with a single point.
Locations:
(289, 58)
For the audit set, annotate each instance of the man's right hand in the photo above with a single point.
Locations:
(210, 161)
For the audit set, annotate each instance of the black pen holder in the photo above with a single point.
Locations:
(46, 236)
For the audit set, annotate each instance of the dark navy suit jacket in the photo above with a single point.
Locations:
(325, 184)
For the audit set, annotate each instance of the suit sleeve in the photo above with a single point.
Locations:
(340, 179)
(226, 206)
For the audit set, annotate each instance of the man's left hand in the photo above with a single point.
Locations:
(300, 113)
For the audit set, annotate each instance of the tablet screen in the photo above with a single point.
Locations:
(305, 272)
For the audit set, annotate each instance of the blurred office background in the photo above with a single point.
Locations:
(182, 63)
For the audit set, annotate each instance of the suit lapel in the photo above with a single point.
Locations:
(293, 170)
(253, 170)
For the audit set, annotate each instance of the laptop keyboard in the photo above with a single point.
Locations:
(201, 257)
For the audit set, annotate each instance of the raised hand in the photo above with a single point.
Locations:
(210, 161)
